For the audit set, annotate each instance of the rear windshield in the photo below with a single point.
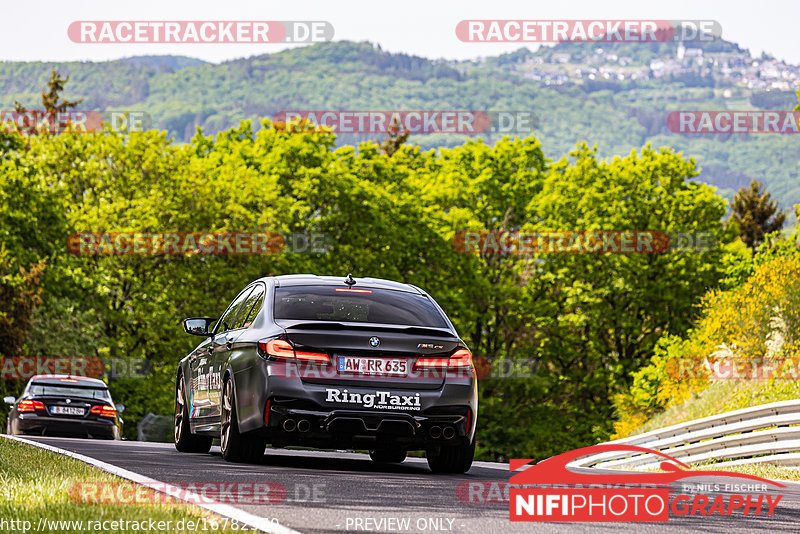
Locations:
(382, 306)
(68, 391)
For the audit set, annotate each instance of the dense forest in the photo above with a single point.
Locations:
(178, 94)
(578, 324)
(577, 341)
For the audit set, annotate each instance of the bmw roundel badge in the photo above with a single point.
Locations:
(374, 341)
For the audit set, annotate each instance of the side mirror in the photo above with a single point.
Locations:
(9, 400)
(120, 408)
(198, 326)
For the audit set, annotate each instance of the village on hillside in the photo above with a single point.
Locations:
(737, 69)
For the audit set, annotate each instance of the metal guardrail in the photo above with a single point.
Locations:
(154, 427)
(769, 433)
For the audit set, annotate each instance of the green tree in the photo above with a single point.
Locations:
(395, 137)
(32, 226)
(50, 103)
(756, 213)
(607, 311)
(586, 322)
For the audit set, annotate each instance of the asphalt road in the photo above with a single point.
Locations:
(346, 492)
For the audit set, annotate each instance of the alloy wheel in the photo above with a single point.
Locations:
(227, 407)
(179, 410)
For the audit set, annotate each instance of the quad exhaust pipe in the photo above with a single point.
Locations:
(290, 425)
(446, 432)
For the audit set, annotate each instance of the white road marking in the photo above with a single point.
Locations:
(225, 510)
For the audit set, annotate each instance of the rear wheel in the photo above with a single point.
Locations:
(453, 459)
(235, 446)
(387, 456)
(185, 441)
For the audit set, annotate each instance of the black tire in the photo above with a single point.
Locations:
(236, 447)
(453, 459)
(388, 456)
(185, 441)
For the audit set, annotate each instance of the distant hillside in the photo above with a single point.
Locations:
(164, 63)
(616, 95)
(639, 52)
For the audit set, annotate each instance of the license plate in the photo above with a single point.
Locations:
(373, 366)
(66, 410)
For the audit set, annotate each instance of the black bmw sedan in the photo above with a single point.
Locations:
(62, 405)
(329, 362)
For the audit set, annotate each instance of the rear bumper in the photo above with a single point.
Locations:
(328, 413)
(56, 426)
(292, 425)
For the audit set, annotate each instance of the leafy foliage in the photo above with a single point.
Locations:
(50, 103)
(179, 94)
(588, 321)
(395, 137)
(757, 321)
(756, 213)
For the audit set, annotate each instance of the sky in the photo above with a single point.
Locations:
(420, 27)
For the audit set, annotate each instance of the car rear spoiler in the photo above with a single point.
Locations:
(288, 324)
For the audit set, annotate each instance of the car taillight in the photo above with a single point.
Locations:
(312, 356)
(29, 406)
(280, 348)
(277, 348)
(459, 359)
(104, 411)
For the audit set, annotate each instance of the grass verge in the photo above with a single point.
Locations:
(35, 486)
(724, 396)
(769, 471)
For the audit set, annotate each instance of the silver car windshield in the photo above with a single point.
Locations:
(67, 391)
(360, 305)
